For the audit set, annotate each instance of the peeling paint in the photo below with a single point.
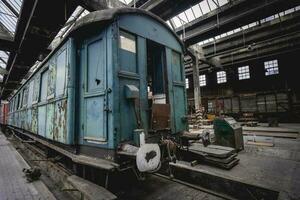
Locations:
(34, 125)
(50, 121)
(60, 131)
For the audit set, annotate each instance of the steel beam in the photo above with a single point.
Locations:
(253, 35)
(231, 16)
(167, 9)
(93, 5)
(35, 31)
(271, 45)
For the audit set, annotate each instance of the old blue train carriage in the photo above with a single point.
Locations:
(117, 74)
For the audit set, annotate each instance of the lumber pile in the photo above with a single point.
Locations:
(219, 156)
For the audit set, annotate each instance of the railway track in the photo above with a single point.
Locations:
(156, 186)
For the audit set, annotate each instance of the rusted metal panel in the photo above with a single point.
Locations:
(60, 131)
(34, 119)
(50, 121)
(160, 116)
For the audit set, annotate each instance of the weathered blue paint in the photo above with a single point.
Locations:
(85, 102)
(92, 89)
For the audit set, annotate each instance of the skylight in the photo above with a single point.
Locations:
(3, 59)
(126, 1)
(196, 11)
(9, 12)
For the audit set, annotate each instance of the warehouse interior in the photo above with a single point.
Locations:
(242, 96)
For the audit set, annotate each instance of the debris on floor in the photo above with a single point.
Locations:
(32, 174)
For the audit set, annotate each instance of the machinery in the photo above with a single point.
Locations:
(228, 133)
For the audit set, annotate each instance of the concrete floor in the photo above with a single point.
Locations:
(276, 168)
(13, 184)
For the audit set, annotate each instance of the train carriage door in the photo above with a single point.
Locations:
(93, 91)
(176, 82)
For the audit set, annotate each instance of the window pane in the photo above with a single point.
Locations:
(95, 66)
(221, 77)
(51, 79)
(202, 80)
(176, 66)
(271, 67)
(30, 93)
(128, 52)
(60, 73)
(187, 83)
(244, 72)
(127, 42)
(44, 84)
(25, 96)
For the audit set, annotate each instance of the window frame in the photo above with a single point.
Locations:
(244, 72)
(122, 49)
(202, 81)
(63, 50)
(30, 93)
(271, 67)
(187, 83)
(43, 72)
(221, 77)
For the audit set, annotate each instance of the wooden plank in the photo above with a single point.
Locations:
(221, 160)
(270, 129)
(212, 146)
(219, 153)
(272, 134)
(221, 147)
(89, 189)
(266, 144)
(229, 165)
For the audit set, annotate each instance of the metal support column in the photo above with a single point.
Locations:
(197, 94)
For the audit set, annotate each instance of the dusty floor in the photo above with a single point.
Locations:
(13, 185)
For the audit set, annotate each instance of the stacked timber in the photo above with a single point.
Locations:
(219, 156)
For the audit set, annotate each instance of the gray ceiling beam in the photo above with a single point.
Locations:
(273, 44)
(253, 35)
(233, 15)
(167, 9)
(270, 47)
(93, 5)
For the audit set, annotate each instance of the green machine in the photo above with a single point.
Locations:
(228, 133)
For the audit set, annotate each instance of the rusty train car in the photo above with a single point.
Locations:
(4, 109)
(113, 89)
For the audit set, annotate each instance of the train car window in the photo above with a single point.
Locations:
(43, 86)
(127, 45)
(25, 96)
(176, 66)
(60, 73)
(95, 66)
(30, 93)
(18, 101)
